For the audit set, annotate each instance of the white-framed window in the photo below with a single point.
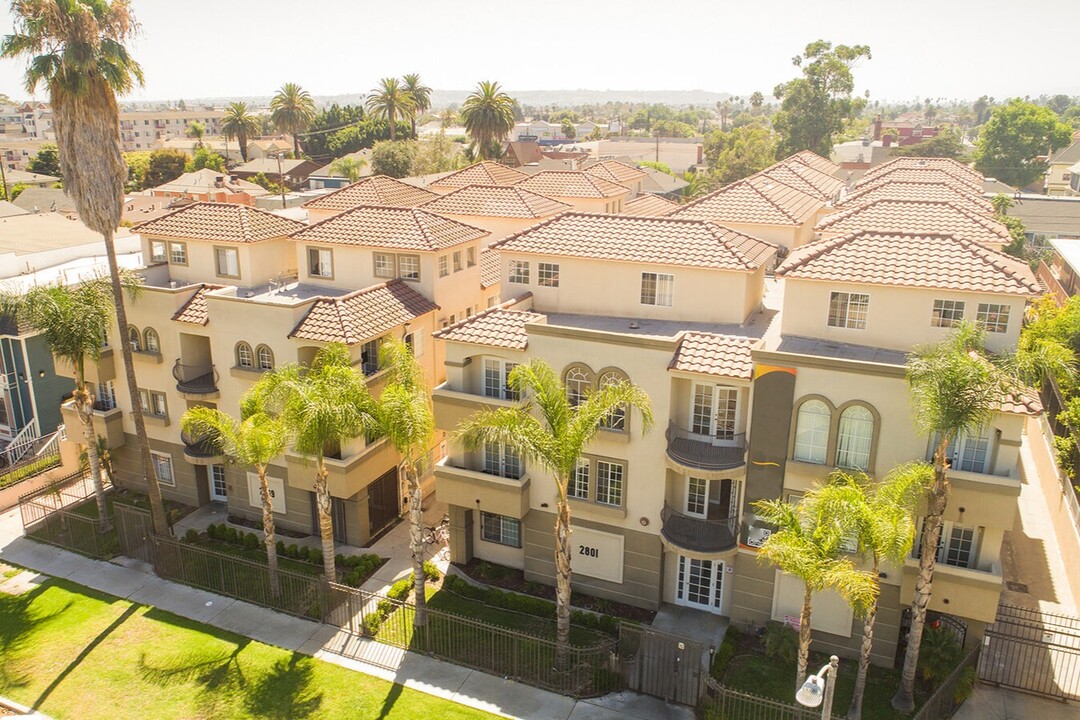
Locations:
(444, 266)
(502, 460)
(958, 545)
(616, 419)
(164, 468)
(496, 379)
(470, 256)
(217, 479)
(415, 340)
(547, 274)
(697, 496)
(947, 313)
(152, 341)
(157, 251)
(457, 261)
(812, 432)
(519, 272)
(578, 486)
(854, 438)
(320, 262)
(244, 357)
(409, 267)
(369, 356)
(153, 403)
(384, 265)
(609, 482)
(135, 338)
(993, 317)
(178, 253)
(265, 357)
(106, 395)
(228, 261)
(500, 529)
(848, 310)
(577, 386)
(657, 289)
(714, 410)
(968, 451)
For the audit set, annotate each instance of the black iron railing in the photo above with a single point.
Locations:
(698, 534)
(708, 452)
(195, 379)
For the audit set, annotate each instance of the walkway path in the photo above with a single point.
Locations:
(135, 581)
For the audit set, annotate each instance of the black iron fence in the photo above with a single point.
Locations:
(1033, 651)
(951, 693)
(64, 513)
(719, 702)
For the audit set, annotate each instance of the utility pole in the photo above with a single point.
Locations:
(281, 180)
(3, 177)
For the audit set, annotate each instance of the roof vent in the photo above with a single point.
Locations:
(634, 325)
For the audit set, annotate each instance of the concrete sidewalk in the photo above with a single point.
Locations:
(136, 582)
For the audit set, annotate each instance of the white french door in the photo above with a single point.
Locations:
(712, 499)
(700, 584)
(713, 411)
(217, 483)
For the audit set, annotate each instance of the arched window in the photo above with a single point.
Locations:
(153, 344)
(812, 432)
(616, 419)
(854, 438)
(265, 357)
(577, 384)
(135, 338)
(244, 357)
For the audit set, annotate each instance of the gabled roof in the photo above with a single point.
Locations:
(194, 311)
(926, 175)
(374, 190)
(616, 172)
(949, 166)
(571, 183)
(496, 201)
(489, 268)
(802, 177)
(812, 159)
(757, 199)
(934, 190)
(500, 326)
(916, 216)
(391, 227)
(652, 240)
(650, 206)
(220, 222)
(206, 181)
(481, 173)
(363, 314)
(918, 260)
(1067, 155)
(712, 354)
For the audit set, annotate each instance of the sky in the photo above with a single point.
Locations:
(947, 48)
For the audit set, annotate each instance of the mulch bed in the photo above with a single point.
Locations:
(257, 525)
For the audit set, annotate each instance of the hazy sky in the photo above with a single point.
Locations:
(947, 48)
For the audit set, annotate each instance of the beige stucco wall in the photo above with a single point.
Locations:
(258, 262)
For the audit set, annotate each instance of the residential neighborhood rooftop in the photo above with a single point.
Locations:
(195, 310)
(755, 200)
(496, 201)
(572, 183)
(220, 222)
(915, 216)
(930, 191)
(373, 190)
(712, 354)
(615, 171)
(391, 227)
(501, 326)
(649, 206)
(481, 173)
(362, 314)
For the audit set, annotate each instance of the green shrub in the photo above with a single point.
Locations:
(602, 605)
(966, 684)
(371, 624)
(384, 607)
(400, 589)
(304, 553)
(431, 571)
(230, 535)
(291, 551)
(315, 557)
(724, 654)
(939, 654)
(251, 541)
(280, 545)
(212, 531)
(192, 535)
(781, 641)
(342, 561)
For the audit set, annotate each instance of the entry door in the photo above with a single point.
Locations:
(218, 491)
(700, 583)
(337, 517)
(383, 501)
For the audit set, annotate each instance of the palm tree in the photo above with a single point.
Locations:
(322, 406)
(240, 124)
(807, 543)
(196, 131)
(291, 111)
(256, 441)
(550, 430)
(883, 520)
(389, 101)
(349, 167)
(421, 95)
(406, 418)
(698, 185)
(756, 101)
(488, 115)
(76, 49)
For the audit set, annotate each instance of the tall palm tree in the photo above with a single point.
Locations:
(240, 124)
(349, 167)
(390, 101)
(292, 110)
(756, 101)
(488, 114)
(196, 131)
(550, 430)
(254, 441)
(808, 543)
(882, 518)
(76, 49)
(322, 406)
(407, 420)
(421, 95)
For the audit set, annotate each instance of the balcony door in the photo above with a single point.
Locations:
(712, 499)
(713, 411)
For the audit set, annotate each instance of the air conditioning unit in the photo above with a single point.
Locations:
(756, 536)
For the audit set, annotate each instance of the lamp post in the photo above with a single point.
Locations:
(817, 690)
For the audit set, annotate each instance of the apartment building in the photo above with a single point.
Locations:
(371, 190)
(481, 173)
(139, 129)
(580, 190)
(499, 209)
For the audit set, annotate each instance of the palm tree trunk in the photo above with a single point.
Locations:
(416, 542)
(393, 125)
(855, 709)
(157, 506)
(296, 147)
(84, 407)
(562, 581)
(326, 522)
(904, 700)
(268, 530)
(804, 637)
(241, 138)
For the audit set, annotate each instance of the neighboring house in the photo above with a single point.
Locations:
(662, 184)
(1047, 217)
(228, 149)
(371, 190)
(8, 209)
(1060, 177)
(481, 173)
(619, 173)
(1062, 274)
(913, 215)
(908, 133)
(139, 129)
(649, 206)
(29, 179)
(578, 189)
(326, 177)
(914, 169)
(499, 209)
(933, 189)
(294, 173)
(210, 186)
(521, 152)
(860, 154)
(269, 147)
(46, 199)
(18, 150)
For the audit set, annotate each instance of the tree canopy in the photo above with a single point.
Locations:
(166, 165)
(46, 162)
(1014, 140)
(739, 153)
(393, 158)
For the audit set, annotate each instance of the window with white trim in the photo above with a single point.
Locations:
(519, 272)
(854, 438)
(994, 317)
(609, 482)
(415, 341)
(497, 379)
(578, 487)
(967, 451)
(369, 356)
(384, 265)
(500, 529)
(616, 419)
(153, 403)
(228, 262)
(178, 253)
(444, 266)
(502, 460)
(657, 289)
(157, 251)
(164, 468)
(320, 262)
(244, 357)
(958, 545)
(134, 338)
(947, 313)
(409, 267)
(470, 256)
(812, 432)
(577, 386)
(152, 341)
(848, 310)
(457, 260)
(547, 274)
(265, 357)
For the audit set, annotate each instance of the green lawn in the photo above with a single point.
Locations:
(75, 653)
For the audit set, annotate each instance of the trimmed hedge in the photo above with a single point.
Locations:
(724, 654)
(251, 541)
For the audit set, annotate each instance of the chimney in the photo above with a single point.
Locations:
(219, 181)
(877, 127)
(886, 141)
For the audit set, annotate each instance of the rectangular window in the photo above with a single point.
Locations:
(496, 374)
(409, 267)
(547, 274)
(228, 262)
(369, 356)
(947, 313)
(164, 468)
(384, 265)
(958, 545)
(697, 496)
(657, 289)
(519, 272)
(320, 262)
(444, 268)
(993, 317)
(153, 403)
(501, 460)
(470, 256)
(457, 260)
(968, 451)
(157, 251)
(500, 529)
(609, 483)
(415, 341)
(579, 483)
(848, 310)
(178, 253)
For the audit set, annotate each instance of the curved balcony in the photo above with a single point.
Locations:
(698, 534)
(201, 450)
(705, 452)
(195, 379)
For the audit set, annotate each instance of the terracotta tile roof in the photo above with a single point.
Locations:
(499, 326)
(916, 216)
(711, 354)
(363, 314)
(194, 311)
(481, 173)
(802, 177)
(221, 222)
(925, 260)
(1022, 402)
(374, 190)
(489, 268)
(391, 227)
(496, 201)
(616, 172)
(653, 240)
(935, 190)
(756, 199)
(650, 206)
(812, 159)
(929, 174)
(947, 165)
(571, 183)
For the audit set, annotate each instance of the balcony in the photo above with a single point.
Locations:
(453, 406)
(496, 494)
(200, 450)
(697, 451)
(106, 418)
(695, 534)
(197, 380)
(345, 476)
(964, 592)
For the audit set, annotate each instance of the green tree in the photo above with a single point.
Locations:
(1018, 247)
(239, 123)
(421, 95)
(46, 162)
(266, 183)
(390, 101)
(138, 163)
(76, 49)
(554, 432)
(740, 153)
(291, 110)
(393, 158)
(196, 131)
(165, 165)
(756, 101)
(488, 115)
(253, 441)
(435, 155)
(568, 129)
(697, 185)
(322, 406)
(349, 167)
(662, 167)
(1015, 140)
(948, 143)
(1060, 103)
(16, 190)
(814, 107)
(205, 158)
